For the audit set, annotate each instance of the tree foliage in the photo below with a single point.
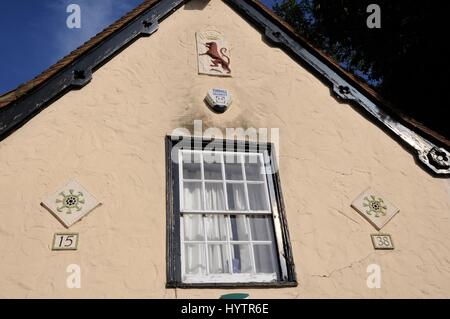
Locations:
(406, 60)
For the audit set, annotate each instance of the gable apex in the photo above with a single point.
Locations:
(75, 71)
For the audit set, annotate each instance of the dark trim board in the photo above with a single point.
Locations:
(288, 277)
(172, 259)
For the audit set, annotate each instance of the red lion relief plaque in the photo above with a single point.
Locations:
(213, 54)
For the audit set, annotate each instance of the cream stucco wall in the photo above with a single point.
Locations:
(110, 137)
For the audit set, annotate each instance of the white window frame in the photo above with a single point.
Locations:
(226, 277)
(244, 181)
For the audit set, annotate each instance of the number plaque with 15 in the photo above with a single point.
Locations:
(382, 241)
(65, 241)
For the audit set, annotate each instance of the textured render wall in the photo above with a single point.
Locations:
(110, 137)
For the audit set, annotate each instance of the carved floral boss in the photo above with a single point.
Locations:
(374, 206)
(376, 209)
(70, 203)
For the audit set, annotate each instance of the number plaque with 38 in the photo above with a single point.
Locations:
(382, 241)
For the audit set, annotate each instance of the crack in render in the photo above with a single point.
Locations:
(343, 268)
(345, 215)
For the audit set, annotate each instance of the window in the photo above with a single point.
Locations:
(224, 223)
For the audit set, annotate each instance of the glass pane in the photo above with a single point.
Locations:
(216, 227)
(257, 197)
(233, 167)
(193, 227)
(236, 197)
(192, 195)
(239, 229)
(242, 262)
(194, 259)
(254, 171)
(191, 166)
(215, 198)
(218, 257)
(264, 259)
(212, 165)
(261, 227)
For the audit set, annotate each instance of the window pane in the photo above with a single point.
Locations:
(261, 227)
(216, 227)
(241, 259)
(218, 259)
(212, 165)
(194, 259)
(193, 227)
(192, 194)
(191, 166)
(257, 197)
(254, 171)
(233, 167)
(264, 259)
(239, 229)
(215, 198)
(236, 197)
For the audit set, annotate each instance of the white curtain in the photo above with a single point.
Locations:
(192, 194)
(194, 254)
(195, 259)
(216, 227)
(264, 258)
(239, 228)
(218, 259)
(260, 227)
(236, 196)
(215, 198)
(242, 262)
(216, 230)
(257, 197)
(193, 227)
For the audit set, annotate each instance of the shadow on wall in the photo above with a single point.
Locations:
(196, 5)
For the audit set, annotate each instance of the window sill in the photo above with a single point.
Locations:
(229, 285)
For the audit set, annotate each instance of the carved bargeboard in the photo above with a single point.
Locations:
(213, 54)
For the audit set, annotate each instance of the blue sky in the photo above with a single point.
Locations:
(34, 34)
